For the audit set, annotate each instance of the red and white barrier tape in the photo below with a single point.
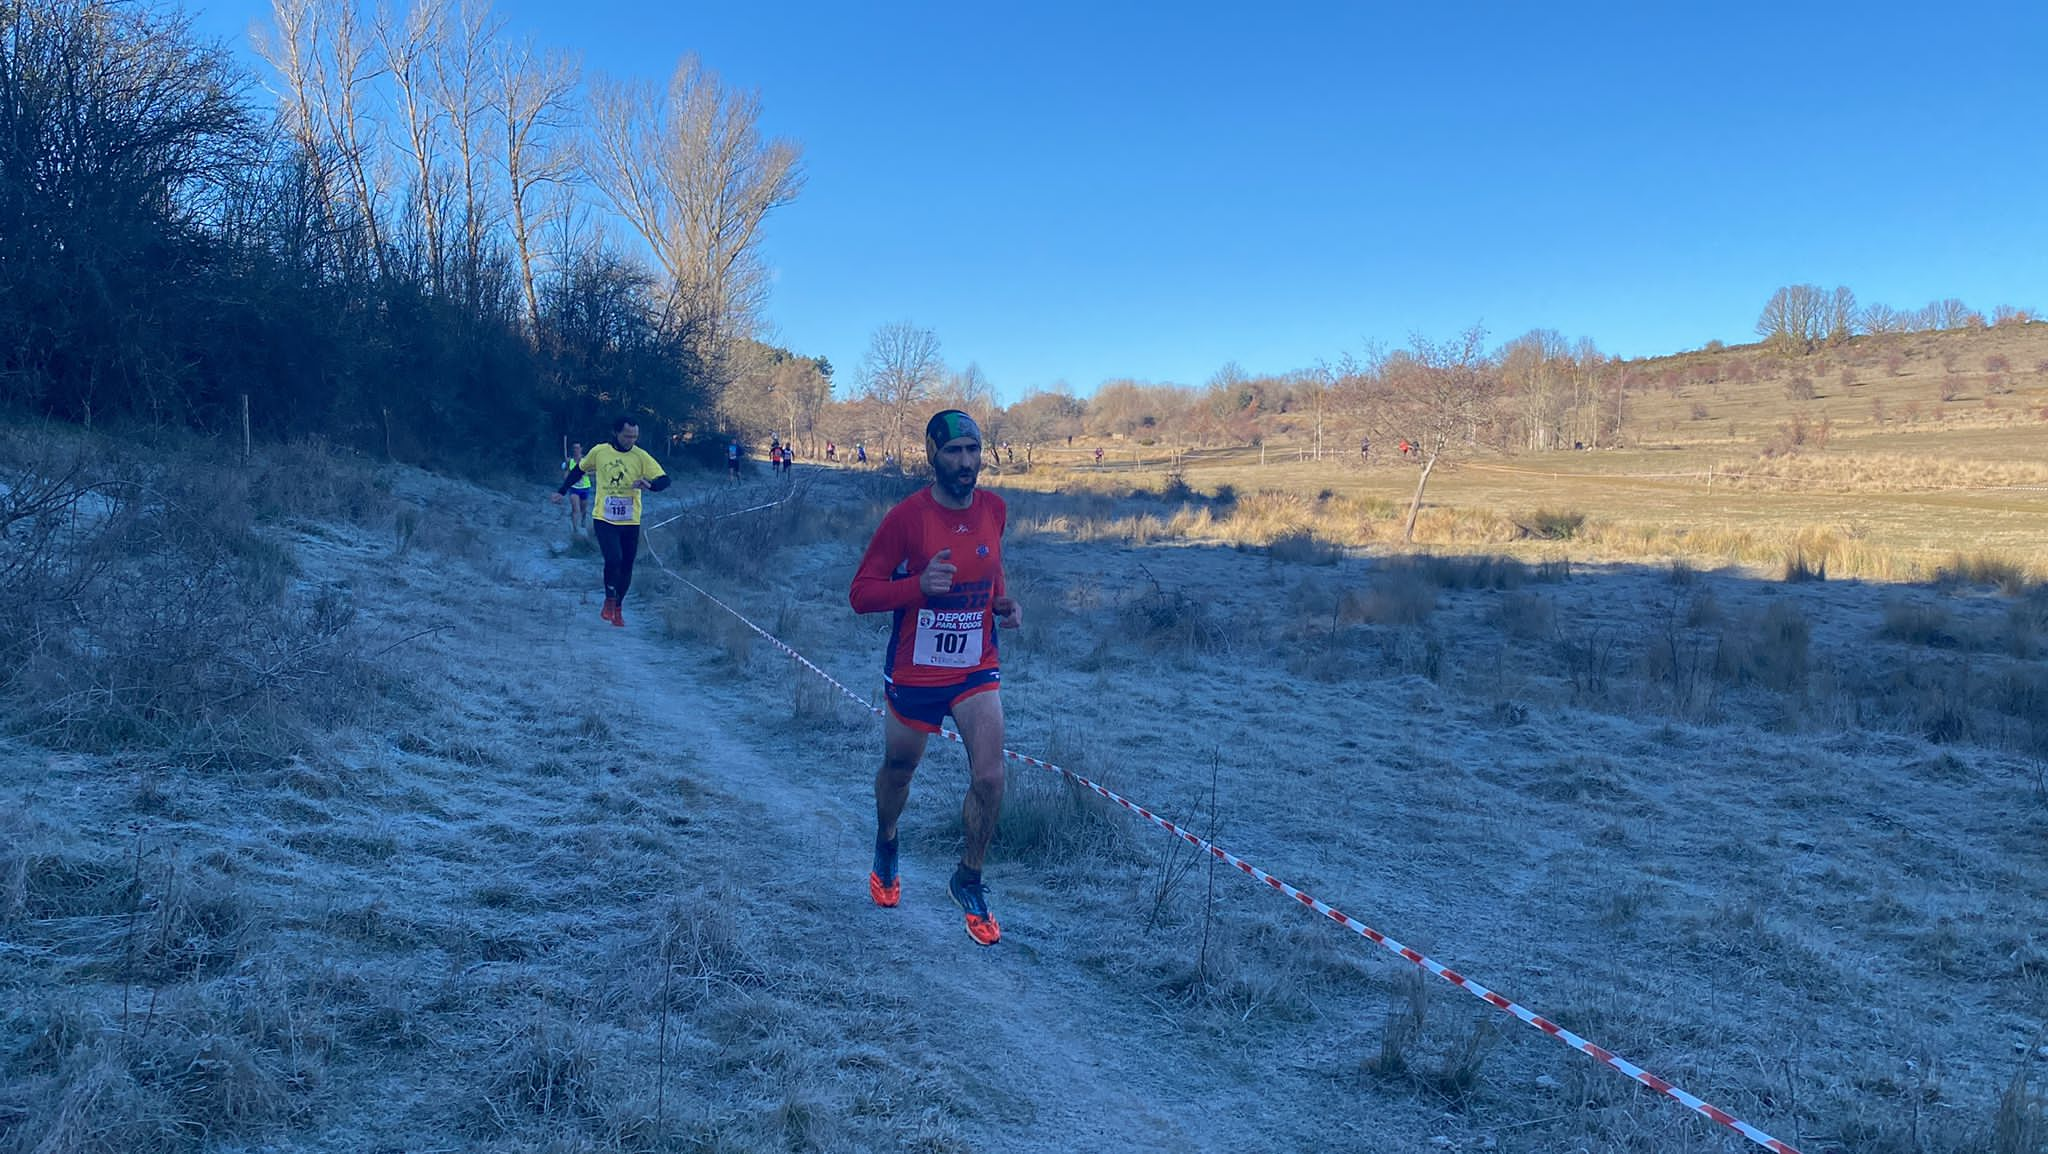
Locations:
(1607, 1057)
(717, 517)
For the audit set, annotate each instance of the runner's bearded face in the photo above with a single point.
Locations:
(956, 465)
(952, 444)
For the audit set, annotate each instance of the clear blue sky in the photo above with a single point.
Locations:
(1089, 191)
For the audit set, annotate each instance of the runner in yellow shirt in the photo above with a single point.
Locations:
(579, 493)
(622, 471)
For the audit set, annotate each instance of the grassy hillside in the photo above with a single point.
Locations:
(1725, 459)
(1899, 386)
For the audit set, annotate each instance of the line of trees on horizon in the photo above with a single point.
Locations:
(1553, 392)
(1536, 392)
(1434, 398)
(1807, 317)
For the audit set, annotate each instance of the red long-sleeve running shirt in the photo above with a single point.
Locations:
(935, 640)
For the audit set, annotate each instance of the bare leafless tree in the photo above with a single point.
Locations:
(1878, 318)
(533, 103)
(1044, 416)
(901, 370)
(1791, 318)
(1540, 374)
(801, 392)
(344, 77)
(291, 49)
(1838, 315)
(1947, 313)
(411, 50)
(464, 81)
(1317, 383)
(1805, 316)
(1784, 320)
(774, 391)
(1438, 396)
(971, 391)
(687, 167)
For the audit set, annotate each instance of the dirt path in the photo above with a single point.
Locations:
(1078, 1068)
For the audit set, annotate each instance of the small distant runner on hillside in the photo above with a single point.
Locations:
(579, 494)
(732, 459)
(623, 471)
(860, 452)
(936, 562)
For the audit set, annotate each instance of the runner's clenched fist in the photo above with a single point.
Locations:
(937, 578)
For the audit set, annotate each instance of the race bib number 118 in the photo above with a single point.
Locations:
(948, 640)
(618, 508)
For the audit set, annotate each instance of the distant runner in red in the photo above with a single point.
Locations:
(936, 562)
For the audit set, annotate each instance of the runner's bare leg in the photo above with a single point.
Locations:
(980, 719)
(902, 749)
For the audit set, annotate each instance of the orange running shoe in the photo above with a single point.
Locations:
(611, 606)
(969, 896)
(883, 884)
(885, 894)
(619, 614)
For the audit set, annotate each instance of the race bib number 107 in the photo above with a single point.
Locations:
(948, 639)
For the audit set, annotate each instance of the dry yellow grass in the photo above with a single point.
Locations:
(1881, 473)
(1911, 537)
(1879, 507)
(1902, 481)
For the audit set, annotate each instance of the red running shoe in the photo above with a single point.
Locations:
(883, 885)
(969, 896)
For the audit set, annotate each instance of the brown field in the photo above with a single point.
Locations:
(1889, 501)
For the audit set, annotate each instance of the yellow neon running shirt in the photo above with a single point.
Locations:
(618, 502)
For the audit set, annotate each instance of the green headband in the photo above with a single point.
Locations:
(949, 425)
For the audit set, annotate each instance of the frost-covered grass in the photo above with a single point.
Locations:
(568, 887)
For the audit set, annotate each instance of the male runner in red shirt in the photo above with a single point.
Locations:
(936, 562)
